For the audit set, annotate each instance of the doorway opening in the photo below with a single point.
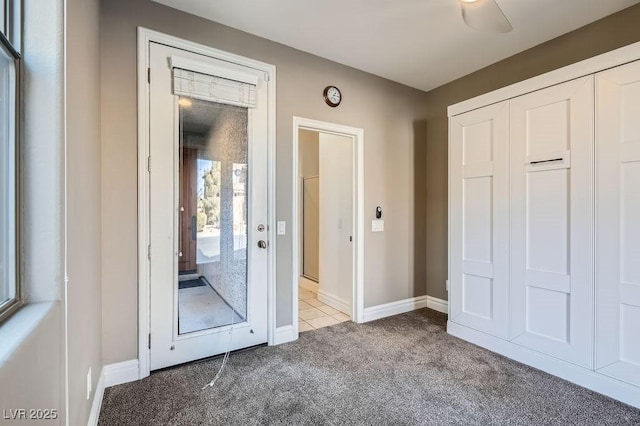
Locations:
(328, 246)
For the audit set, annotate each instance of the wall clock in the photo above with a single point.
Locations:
(332, 96)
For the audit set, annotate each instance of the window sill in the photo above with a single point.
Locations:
(16, 330)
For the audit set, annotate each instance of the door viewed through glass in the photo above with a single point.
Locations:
(212, 224)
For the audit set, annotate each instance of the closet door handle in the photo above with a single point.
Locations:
(546, 161)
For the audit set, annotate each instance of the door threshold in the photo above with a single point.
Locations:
(209, 358)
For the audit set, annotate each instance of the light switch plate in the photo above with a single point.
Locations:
(377, 225)
(282, 227)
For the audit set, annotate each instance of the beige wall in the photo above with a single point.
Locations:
(308, 148)
(84, 310)
(607, 34)
(31, 376)
(392, 116)
(32, 354)
(31, 341)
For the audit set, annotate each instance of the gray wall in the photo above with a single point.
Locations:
(392, 116)
(601, 36)
(84, 310)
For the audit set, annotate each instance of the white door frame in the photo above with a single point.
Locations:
(146, 36)
(357, 135)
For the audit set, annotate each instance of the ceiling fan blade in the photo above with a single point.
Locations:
(485, 15)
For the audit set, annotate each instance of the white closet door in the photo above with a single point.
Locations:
(552, 221)
(618, 223)
(479, 161)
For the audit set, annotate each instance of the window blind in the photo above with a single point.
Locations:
(214, 89)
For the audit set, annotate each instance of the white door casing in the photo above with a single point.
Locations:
(551, 141)
(479, 290)
(167, 346)
(618, 222)
(357, 136)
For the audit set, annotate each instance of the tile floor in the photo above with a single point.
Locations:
(313, 314)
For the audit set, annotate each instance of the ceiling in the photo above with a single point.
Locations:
(420, 43)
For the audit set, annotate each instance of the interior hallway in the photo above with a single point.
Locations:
(313, 314)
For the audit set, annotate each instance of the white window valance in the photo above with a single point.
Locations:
(213, 88)
(214, 81)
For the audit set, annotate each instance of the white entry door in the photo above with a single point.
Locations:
(208, 206)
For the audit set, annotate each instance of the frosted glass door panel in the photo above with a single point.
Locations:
(479, 291)
(552, 220)
(618, 226)
(213, 154)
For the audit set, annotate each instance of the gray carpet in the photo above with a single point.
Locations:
(402, 370)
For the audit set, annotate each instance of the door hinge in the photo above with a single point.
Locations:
(267, 77)
(149, 75)
(149, 340)
(149, 251)
(149, 163)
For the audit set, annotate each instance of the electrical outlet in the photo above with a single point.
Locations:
(89, 384)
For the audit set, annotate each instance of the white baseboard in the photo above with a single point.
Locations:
(285, 334)
(438, 304)
(589, 379)
(308, 284)
(335, 302)
(96, 405)
(394, 308)
(121, 372)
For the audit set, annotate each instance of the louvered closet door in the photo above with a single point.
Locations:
(618, 223)
(552, 221)
(479, 233)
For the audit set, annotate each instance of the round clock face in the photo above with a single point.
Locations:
(332, 96)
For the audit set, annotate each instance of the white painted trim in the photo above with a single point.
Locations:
(96, 405)
(144, 325)
(589, 379)
(335, 302)
(307, 284)
(285, 334)
(593, 65)
(121, 372)
(394, 308)
(438, 304)
(357, 134)
(145, 36)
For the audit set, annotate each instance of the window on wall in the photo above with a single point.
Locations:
(9, 110)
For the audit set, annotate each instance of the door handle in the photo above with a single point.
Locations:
(546, 161)
(263, 244)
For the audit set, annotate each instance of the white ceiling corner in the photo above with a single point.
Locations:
(419, 43)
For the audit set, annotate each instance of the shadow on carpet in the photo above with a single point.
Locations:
(402, 370)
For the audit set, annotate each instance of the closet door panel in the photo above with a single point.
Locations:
(618, 223)
(479, 206)
(552, 221)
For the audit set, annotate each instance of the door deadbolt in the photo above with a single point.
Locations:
(260, 227)
(263, 244)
